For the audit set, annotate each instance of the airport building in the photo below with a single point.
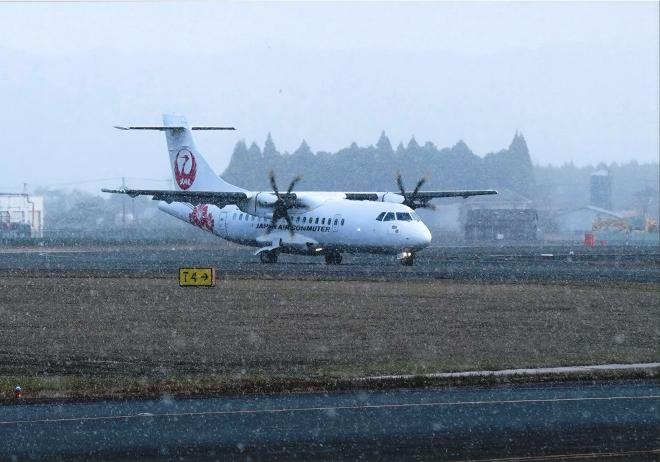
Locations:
(507, 216)
(587, 219)
(21, 216)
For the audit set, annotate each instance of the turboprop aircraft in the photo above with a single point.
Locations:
(306, 222)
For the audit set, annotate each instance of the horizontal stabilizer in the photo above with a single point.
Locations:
(162, 128)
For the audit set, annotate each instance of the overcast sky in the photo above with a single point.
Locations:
(580, 80)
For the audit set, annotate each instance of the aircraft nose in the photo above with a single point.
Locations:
(421, 236)
(425, 236)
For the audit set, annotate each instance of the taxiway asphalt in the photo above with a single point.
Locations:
(592, 420)
(480, 264)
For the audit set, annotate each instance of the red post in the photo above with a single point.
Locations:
(589, 240)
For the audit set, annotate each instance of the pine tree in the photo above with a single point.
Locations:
(254, 153)
(521, 166)
(412, 145)
(238, 163)
(269, 148)
(383, 145)
(303, 150)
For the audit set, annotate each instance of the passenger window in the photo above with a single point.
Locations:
(380, 217)
(389, 217)
(234, 217)
(403, 216)
(240, 217)
(342, 222)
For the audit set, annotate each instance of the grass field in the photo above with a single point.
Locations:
(60, 334)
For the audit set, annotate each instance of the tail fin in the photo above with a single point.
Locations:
(190, 170)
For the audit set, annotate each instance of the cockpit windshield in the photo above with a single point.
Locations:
(401, 216)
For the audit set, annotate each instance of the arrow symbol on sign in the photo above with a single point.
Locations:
(205, 276)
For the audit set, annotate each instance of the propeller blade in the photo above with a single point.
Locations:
(419, 185)
(273, 222)
(273, 184)
(289, 222)
(399, 183)
(411, 200)
(293, 183)
(283, 203)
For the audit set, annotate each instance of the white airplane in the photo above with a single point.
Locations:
(306, 223)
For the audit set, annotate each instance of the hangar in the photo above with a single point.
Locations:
(21, 216)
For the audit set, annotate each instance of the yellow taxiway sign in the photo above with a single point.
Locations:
(197, 277)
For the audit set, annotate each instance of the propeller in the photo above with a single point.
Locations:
(411, 199)
(283, 203)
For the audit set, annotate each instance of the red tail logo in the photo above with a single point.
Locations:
(185, 168)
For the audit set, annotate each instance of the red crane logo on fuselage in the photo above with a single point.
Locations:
(185, 168)
(202, 217)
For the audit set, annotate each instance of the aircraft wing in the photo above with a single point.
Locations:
(192, 197)
(428, 195)
(420, 196)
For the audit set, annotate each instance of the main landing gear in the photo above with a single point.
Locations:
(332, 258)
(407, 258)
(268, 257)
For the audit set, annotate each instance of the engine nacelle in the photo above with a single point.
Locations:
(259, 204)
(391, 197)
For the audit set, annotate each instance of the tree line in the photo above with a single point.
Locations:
(373, 168)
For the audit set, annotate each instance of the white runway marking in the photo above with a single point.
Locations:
(510, 372)
(589, 455)
(328, 408)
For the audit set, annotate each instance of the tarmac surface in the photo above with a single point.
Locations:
(607, 420)
(496, 264)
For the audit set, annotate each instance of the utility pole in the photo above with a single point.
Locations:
(123, 203)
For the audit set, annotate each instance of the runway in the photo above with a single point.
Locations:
(612, 420)
(461, 263)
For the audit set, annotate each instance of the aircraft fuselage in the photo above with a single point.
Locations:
(334, 225)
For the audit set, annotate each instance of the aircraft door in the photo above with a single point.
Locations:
(335, 222)
(222, 223)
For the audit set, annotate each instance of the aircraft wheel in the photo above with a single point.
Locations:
(268, 257)
(408, 260)
(333, 258)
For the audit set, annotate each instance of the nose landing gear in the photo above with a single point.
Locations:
(407, 258)
(268, 257)
(332, 258)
